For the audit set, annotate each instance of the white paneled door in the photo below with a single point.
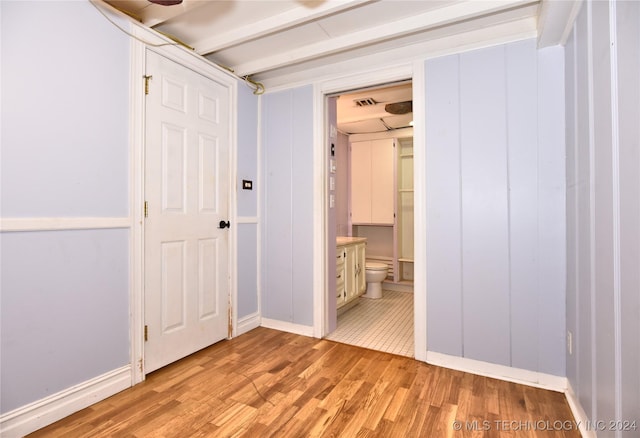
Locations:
(186, 226)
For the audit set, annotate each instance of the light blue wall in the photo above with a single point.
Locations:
(603, 211)
(247, 150)
(247, 270)
(287, 206)
(247, 158)
(65, 82)
(64, 316)
(64, 297)
(495, 206)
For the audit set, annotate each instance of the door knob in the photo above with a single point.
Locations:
(224, 224)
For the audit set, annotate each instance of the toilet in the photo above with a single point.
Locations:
(375, 273)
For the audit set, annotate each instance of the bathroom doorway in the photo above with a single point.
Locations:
(372, 141)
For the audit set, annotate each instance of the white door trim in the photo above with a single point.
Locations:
(419, 212)
(136, 175)
(415, 72)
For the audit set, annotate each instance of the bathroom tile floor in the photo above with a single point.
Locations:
(384, 324)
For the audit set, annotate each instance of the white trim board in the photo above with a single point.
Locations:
(247, 220)
(62, 223)
(289, 327)
(247, 323)
(415, 73)
(41, 413)
(320, 216)
(501, 372)
(580, 416)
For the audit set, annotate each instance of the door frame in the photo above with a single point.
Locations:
(143, 40)
(413, 71)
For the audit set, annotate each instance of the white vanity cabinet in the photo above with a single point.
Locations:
(350, 269)
(341, 295)
(360, 280)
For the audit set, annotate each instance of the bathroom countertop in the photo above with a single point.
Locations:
(345, 240)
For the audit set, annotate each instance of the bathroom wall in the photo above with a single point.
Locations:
(603, 212)
(287, 206)
(65, 293)
(342, 185)
(495, 264)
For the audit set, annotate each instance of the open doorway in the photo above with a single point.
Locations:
(371, 218)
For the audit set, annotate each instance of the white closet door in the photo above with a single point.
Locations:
(186, 188)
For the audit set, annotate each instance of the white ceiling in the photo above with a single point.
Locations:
(280, 42)
(355, 118)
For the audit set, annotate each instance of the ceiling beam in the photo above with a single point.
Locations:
(290, 18)
(555, 21)
(434, 18)
(398, 60)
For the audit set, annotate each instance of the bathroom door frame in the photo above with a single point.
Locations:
(413, 71)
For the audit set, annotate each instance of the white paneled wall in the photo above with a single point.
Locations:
(495, 206)
(287, 207)
(484, 205)
(603, 213)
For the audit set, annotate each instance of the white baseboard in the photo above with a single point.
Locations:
(398, 287)
(41, 413)
(502, 372)
(578, 413)
(304, 330)
(247, 323)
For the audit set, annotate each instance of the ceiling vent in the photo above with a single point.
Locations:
(365, 102)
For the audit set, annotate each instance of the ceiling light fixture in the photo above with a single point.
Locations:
(399, 107)
(166, 2)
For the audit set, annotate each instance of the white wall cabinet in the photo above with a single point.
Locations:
(372, 182)
(382, 202)
(350, 270)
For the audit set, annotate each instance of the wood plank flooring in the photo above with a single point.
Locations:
(268, 383)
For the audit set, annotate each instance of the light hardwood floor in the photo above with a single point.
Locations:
(270, 383)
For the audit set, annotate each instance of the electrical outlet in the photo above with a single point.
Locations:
(570, 342)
